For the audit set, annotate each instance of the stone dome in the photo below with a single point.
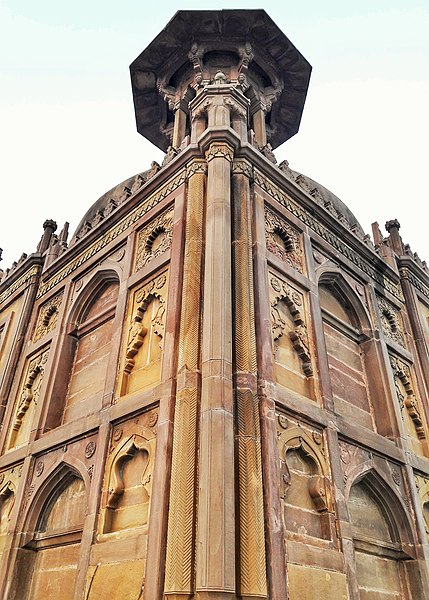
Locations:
(108, 202)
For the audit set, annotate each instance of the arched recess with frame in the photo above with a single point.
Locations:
(85, 350)
(355, 367)
(383, 538)
(124, 515)
(305, 487)
(128, 484)
(52, 531)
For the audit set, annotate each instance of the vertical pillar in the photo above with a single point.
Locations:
(179, 129)
(179, 567)
(259, 125)
(215, 551)
(251, 537)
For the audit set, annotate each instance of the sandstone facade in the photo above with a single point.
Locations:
(218, 388)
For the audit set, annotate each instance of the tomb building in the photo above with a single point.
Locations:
(217, 388)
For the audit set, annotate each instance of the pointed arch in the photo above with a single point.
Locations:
(52, 480)
(99, 280)
(333, 279)
(85, 349)
(388, 499)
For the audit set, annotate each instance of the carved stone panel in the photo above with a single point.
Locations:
(142, 354)
(154, 239)
(391, 322)
(283, 240)
(406, 395)
(291, 342)
(48, 316)
(28, 398)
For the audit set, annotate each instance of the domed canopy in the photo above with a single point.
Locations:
(241, 45)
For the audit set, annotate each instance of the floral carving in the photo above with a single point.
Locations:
(154, 239)
(90, 449)
(283, 240)
(407, 401)
(390, 321)
(298, 335)
(48, 316)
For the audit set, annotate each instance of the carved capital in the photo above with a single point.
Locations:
(242, 167)
(235, 108)
(196, 166)
(220, 150)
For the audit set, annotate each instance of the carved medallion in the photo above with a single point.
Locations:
(39, 468)
(90, 449)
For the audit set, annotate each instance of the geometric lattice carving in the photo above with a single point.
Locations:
(390, 321)
(154, 239)
(48, 316)
(298, 335)
(407, 401)
(283, 240)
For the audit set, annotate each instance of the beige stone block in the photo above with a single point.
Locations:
(378, 574)
(116, 581)
(307, 583)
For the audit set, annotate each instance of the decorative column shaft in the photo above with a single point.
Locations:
(216, 504)
(252, 568)
(180, 558)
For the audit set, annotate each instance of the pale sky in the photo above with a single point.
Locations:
(67, 125)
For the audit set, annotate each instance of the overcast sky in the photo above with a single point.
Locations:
(67, 125)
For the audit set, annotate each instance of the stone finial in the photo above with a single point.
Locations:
(393, 224)
(50, 224)
(219, 78)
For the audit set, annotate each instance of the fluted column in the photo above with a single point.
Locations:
(251, 569)
(180, 558)
(216, 506)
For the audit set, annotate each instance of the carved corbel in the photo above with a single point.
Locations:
(195, 56)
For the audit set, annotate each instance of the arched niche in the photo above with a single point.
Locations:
(86, 349)
(383, 540)
(55, 524)
(348, 338)
(129, 483)
(305, 488)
